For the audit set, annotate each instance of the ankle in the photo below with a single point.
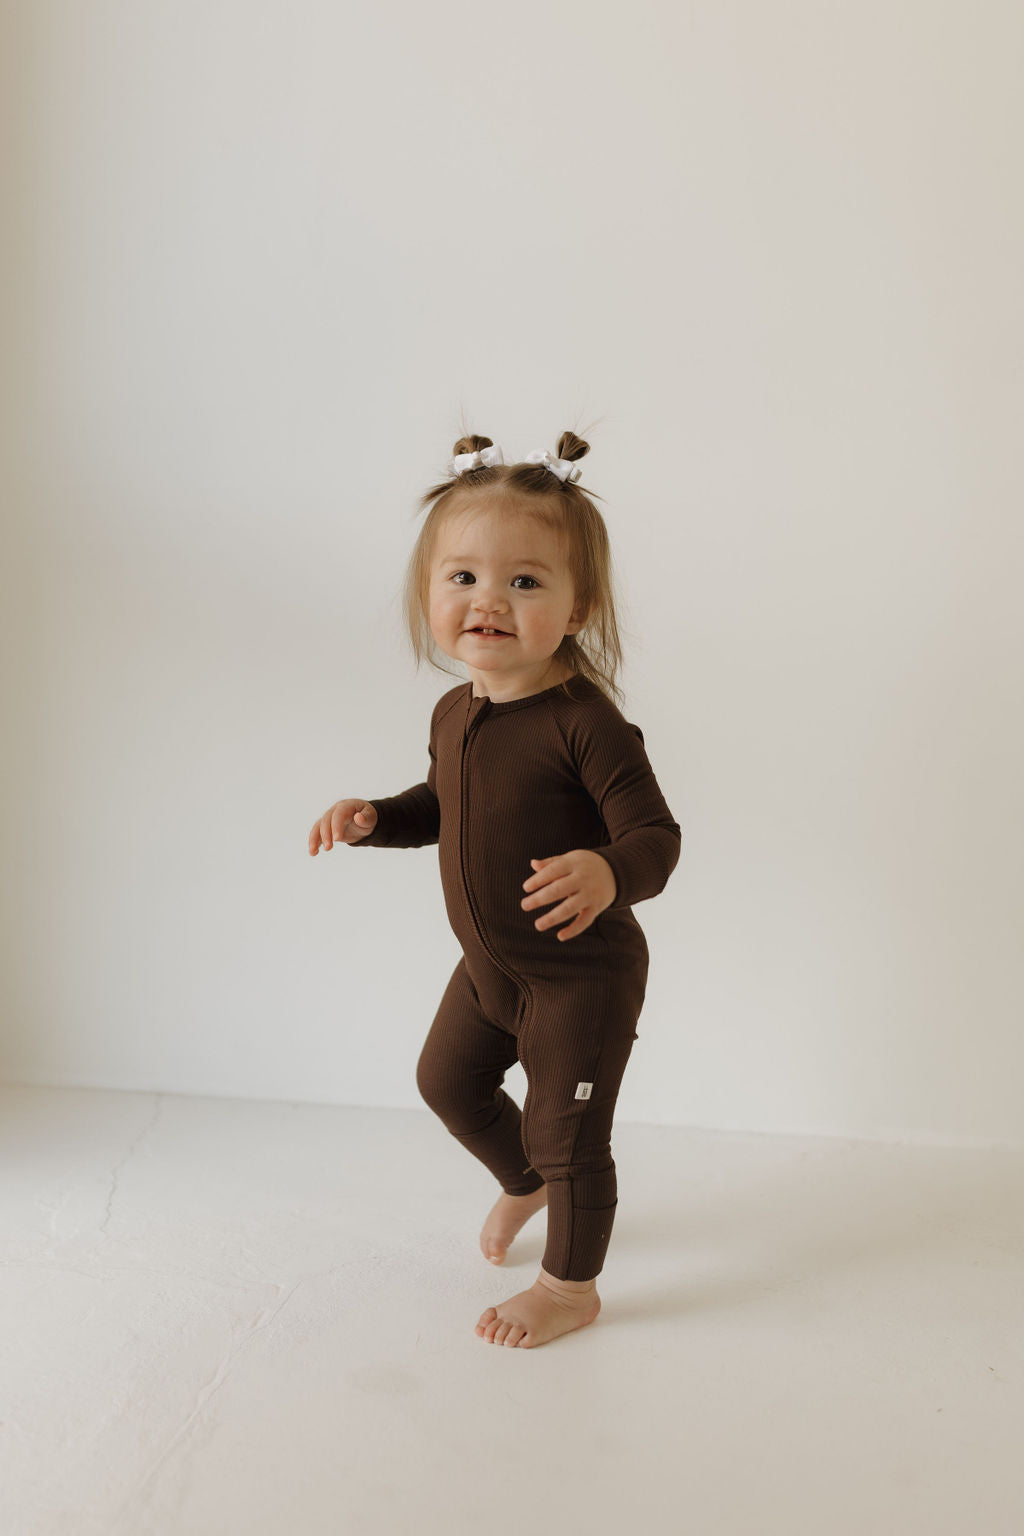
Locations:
(566, 1287)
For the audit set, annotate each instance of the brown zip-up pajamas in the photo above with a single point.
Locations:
(510, 781)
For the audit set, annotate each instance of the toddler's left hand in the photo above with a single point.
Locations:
(581, 882)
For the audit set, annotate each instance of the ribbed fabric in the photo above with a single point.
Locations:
(510, 781)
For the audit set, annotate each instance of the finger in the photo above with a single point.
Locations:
(326, 832)
(574, 928)
(559, 914)
(583, 919)
(539, 876)
(339, 825)
(549, 876)
(558, 890)
(362, 824)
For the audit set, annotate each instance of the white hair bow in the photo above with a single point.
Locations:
(483, 456)
(565, 469)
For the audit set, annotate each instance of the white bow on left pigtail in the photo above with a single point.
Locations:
(565, 469)
(476, 460)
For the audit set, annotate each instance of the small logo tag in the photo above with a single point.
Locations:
(583, 1090)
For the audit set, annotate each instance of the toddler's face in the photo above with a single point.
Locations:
(499, 569)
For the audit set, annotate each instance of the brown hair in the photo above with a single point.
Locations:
(595, 651)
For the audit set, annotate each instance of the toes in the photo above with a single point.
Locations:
(489, 1322)
(501, 1330)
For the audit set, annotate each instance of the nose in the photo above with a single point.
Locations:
(488, 608)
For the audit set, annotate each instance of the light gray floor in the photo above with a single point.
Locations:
(226, 1317)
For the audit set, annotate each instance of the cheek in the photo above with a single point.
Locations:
(444, 607)
(545, 616)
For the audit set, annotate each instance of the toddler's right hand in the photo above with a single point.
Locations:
(346, 822)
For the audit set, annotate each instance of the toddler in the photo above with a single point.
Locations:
(550, 826)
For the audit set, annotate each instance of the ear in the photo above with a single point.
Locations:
(576, 622)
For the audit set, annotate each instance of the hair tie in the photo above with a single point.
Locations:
(475, 460)
(565, 469)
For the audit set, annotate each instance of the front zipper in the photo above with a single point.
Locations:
(464, 801)
(467, 737)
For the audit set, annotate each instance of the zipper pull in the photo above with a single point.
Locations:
(477, 709)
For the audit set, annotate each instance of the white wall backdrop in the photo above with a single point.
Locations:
(261, 257)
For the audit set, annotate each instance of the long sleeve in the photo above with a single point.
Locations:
(616, 772)
(411, 819)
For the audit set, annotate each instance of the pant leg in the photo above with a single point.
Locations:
(577, 1042)
(459, 1074)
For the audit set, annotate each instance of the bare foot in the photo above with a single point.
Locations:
(550, 1307)
(510, 1212)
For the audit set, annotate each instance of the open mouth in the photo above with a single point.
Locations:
(495, 634)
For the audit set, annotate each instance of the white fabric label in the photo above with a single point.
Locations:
(583, 1090)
